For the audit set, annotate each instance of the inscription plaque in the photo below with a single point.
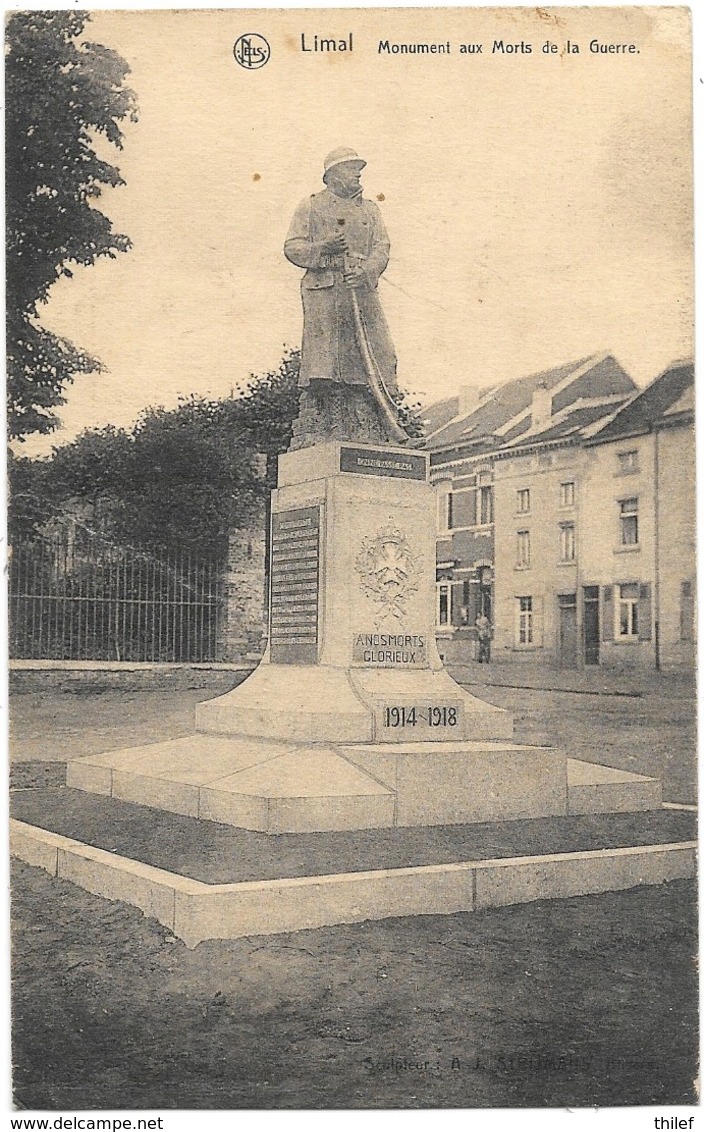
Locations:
(367, 462)
(295, 582)
(389, 650)
(420, 720)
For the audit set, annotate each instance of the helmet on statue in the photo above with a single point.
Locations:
(342, 156)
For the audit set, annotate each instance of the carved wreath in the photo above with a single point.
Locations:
(388, 571)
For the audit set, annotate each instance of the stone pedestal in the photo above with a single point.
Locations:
(352, 654)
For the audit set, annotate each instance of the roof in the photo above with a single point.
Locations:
(509, 404)
(572, 420)
(669, 394)
(438, 414)
(685, 404)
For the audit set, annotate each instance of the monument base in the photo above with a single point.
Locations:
(351, 721)
(304, 788)
(321, 703)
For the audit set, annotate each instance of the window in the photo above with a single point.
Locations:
(444, 508)
(627, 610)
(567, 542)
(524, 624)
(486, 505)
(567, 494)
(628, 517)
(464, 509)
(523, 500)
(628, 461)
(444, 607)
(464, 608)
(523, 548)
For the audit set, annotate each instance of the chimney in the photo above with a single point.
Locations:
(541, 406)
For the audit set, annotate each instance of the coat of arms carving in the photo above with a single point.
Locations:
(388, 570)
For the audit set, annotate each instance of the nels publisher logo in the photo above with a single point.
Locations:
(251, 51)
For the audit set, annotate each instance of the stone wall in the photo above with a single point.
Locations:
(242, 624)
(79, 676)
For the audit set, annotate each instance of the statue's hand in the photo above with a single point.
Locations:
(337, 245)
(354, 277)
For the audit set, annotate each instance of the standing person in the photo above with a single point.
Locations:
(483, 627)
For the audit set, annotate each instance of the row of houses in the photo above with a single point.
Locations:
(566, 516)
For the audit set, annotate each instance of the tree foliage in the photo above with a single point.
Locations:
(61, 91)
(183, 477)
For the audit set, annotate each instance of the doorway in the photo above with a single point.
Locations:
(567, 641)
(484, 595)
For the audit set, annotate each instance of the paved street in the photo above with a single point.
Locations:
(645, 724)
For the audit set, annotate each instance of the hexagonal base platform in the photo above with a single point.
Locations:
(294, 788)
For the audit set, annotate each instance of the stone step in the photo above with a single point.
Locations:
(219, 854)
(303, 790)
(596, 789)
(289, 899)
(294, 788)
(321, 704)
(253, 784)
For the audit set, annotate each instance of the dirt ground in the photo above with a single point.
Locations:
(580, 1002)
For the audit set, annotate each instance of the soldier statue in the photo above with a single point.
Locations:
(348, 362)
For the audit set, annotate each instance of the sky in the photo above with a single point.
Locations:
(539, 205)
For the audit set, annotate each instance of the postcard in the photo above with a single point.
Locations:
(351, 577)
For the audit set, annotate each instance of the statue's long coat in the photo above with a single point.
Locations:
(331, 350)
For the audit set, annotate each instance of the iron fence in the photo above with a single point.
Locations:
(75, 595)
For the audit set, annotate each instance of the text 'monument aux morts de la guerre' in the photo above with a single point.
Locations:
(318, 43)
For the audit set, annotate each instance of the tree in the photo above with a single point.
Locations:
(194, 478)
(60, 92)
(267, 407)
(184, 477)
(30, 506)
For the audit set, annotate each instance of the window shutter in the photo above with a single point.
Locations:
(686, 612)
(607, 617)
(456, 603)
(645, 613)
(538, 622)
(472, 605)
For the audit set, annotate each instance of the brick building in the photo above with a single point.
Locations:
(507, 463)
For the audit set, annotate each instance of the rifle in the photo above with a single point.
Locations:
(377, 385)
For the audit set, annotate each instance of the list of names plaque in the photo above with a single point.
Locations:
(295, 583)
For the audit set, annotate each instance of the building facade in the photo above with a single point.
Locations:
(536, 571)
(639, 529)
(577, 544)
